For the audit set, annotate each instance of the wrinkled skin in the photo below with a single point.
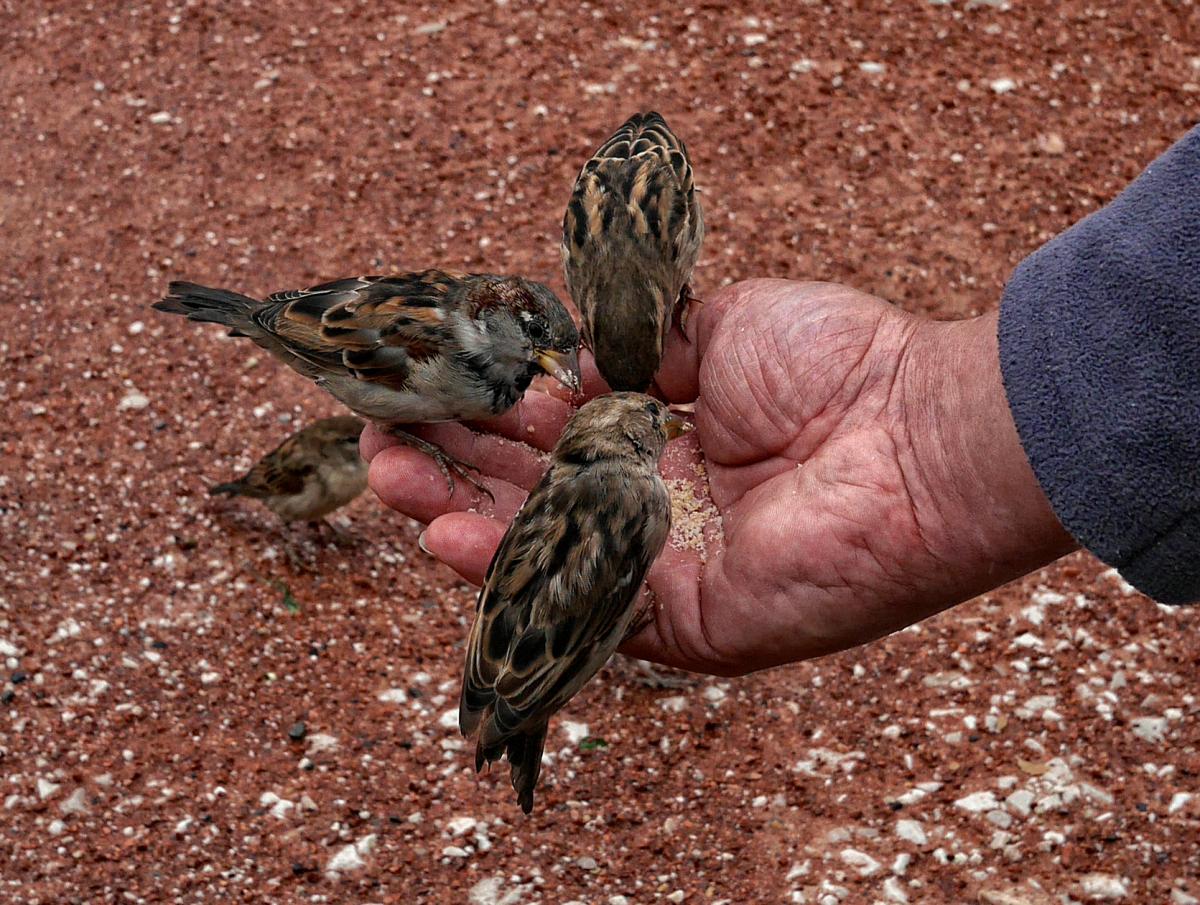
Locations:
(863, 461)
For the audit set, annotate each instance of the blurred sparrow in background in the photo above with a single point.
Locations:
(560, 592)
(406, 349)
(310, 474)
(631, 236)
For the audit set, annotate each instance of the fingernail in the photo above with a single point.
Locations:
(421, 543)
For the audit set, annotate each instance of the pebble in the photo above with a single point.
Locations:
(8, 649)
(449, 719)
(398, 696)
(162, 117)
(714, 694)
(977, 802)
(674, 704)
(346, 859)
(133, 401)
(575, 732)
(321, 741)
(56, 828)
(1021, 801)
(893, 891)
(1179, 801)
(1150, 729)
(460, 826)
(76, 804)
(1103, 887)
(911, 831)
(46, 788)
(297, 731)
(1000, 818)
(1179, 897)
(454, 851)
(586, 863)
(860, 861)
(871, 68)
(618, 900)
(1003, 86)
(677, 896)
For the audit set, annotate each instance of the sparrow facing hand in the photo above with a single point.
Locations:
(631, 236)
(560, 592)
(411, 348)
(310, 474)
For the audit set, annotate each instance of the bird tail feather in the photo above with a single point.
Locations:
(213, 306)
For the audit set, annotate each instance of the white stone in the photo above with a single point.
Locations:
(162, 117)
(321, 741)
(871, 68)
(1003, 86)
(900, 864)
(1103, 887)
(56, 828)
(1179, 897)
(1178, 802)
(449, 719)
(460, 826)
(8, 649)
(675, 704)
(392, 696)
(347, 858)
(46, 788)
(977, 802)
(575, 732)
(677, 896)
(1000, 818)
(860, 861)
(911, 831)
(893, 891)
(454, 851)
(76, 804)
(133, 401)
(714, 694)
(1150, 729)
(1021, 801)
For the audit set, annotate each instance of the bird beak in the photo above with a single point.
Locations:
(676, 426)
(562, 366)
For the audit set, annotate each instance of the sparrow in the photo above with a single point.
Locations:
(310, 474)
(631, 236)
(411, 348)
(560, 592)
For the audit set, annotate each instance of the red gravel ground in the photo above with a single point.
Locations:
(1036, 746)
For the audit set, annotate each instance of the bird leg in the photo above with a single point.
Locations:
(683, 309)
(449, 465)
(643, 672)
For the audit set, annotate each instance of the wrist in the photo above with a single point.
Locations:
(976, 500)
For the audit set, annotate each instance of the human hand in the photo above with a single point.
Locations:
(863, 473)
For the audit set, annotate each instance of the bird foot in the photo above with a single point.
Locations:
(450, 466)
(683, 310)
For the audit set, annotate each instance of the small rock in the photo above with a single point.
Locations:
(714, 694)
(677, 896)
(161, 118)
(347, 858)
(618, 900)
(454, 851)
(297, 731)
(449, 719)
(399, 696)
(586, 863)
(46, 788)
(1102, 887)
(1002, 86)
(76, 804)
(675, 704)
(430, 28)
(56, 828)
(893, 891)
(911, 831)
(133, 401)
(871, 68)
(1179, 897)
(1021, 801)
(1150, 729)
(860, 861)
(1178, 802)
(575, 732)
(8, 649)
(1000, 818)
(321, 741)
(460, 826)
(977, 802)
(1051, 143)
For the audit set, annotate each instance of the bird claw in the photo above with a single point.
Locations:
(450, 466)
(683, 310)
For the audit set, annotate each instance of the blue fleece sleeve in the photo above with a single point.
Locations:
(1100, 352)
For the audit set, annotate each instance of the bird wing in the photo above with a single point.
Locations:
(282, 471)
(372, 328)
(556, 601)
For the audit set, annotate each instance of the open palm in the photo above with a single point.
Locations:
(826, 457)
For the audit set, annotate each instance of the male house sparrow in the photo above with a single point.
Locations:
(411, 348)
(560, 592)
(631, 236)
(310, 474)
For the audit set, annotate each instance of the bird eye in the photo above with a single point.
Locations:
(536, 331)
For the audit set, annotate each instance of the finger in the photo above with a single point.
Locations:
(678, 377)
(410, 482)
(373, 440)
(464, 541)
(494, 456)
(674, 583)
(537, 419)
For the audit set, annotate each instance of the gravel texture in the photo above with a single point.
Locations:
(186, 717)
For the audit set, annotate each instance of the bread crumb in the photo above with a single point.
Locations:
(690, 514)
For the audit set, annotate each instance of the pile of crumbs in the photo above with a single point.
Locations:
(690, 513)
